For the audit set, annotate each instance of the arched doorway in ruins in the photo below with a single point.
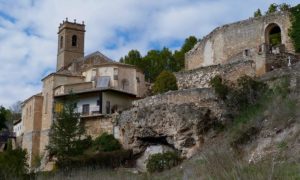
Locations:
(273, 35)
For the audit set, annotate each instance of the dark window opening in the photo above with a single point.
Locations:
(107, 107)
(116, 73)
(246, 52)
(74, 40)
(61, 41)
(125, 84)
(85, 109)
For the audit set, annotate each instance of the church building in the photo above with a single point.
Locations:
(102, 87)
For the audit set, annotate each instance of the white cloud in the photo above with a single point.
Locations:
(26, 58)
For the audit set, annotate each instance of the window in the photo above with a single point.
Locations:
(246, 52)
(125, 85)
(98, 102)
(85, 109)
(61, 41)
(58, 107)
(137, 79)
(46, 103)
(94, 74)
(74, 40)
(103, 82)
(107, 107)
(116, 72)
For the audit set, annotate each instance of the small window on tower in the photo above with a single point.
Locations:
(61, 41)
(74, 40)
(116, 73)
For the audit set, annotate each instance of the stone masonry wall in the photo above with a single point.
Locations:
(200, 78)
(200, 97)
(96, 126)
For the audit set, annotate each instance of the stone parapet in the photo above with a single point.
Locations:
(177, 97)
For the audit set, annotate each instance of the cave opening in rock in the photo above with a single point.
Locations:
(161, 140)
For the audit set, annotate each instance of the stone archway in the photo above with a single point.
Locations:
(273, 36)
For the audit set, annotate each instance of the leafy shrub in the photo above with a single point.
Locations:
(295, 28)
(244, 101)
(162, 161)
(106, 142)
(36, 162)
(101, 159)
(220, 87)
(13, 164)
(82, 145)
(244, 93)
(164, 82)
(248, 92)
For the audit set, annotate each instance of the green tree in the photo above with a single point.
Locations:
(13, 164)
(295, 28)
(272, 8)
(134, 58)
(157, 61)
(164, 82)
(188, 44)
(178, 62)
(153, 64)
(284, 7)
(67, 132)
(178, 56)
(4, 117)
(257, 13)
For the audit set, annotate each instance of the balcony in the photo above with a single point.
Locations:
(90, 111)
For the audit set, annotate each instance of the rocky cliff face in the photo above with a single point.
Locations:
(170, 120)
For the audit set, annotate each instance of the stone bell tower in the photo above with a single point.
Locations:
(70, 43)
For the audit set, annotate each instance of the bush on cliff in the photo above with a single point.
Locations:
(166, 81)
(162, 161)
(13, 164)
(220, 86)
(106, 142)
(247, 91)
(295, 28)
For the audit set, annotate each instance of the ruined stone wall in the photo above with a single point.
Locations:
(290, 75)
(177, 119)
(231, 39)
(200, 78)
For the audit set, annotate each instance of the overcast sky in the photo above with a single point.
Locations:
(28, 31)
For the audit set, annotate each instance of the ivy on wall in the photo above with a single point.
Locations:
(294, 32)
